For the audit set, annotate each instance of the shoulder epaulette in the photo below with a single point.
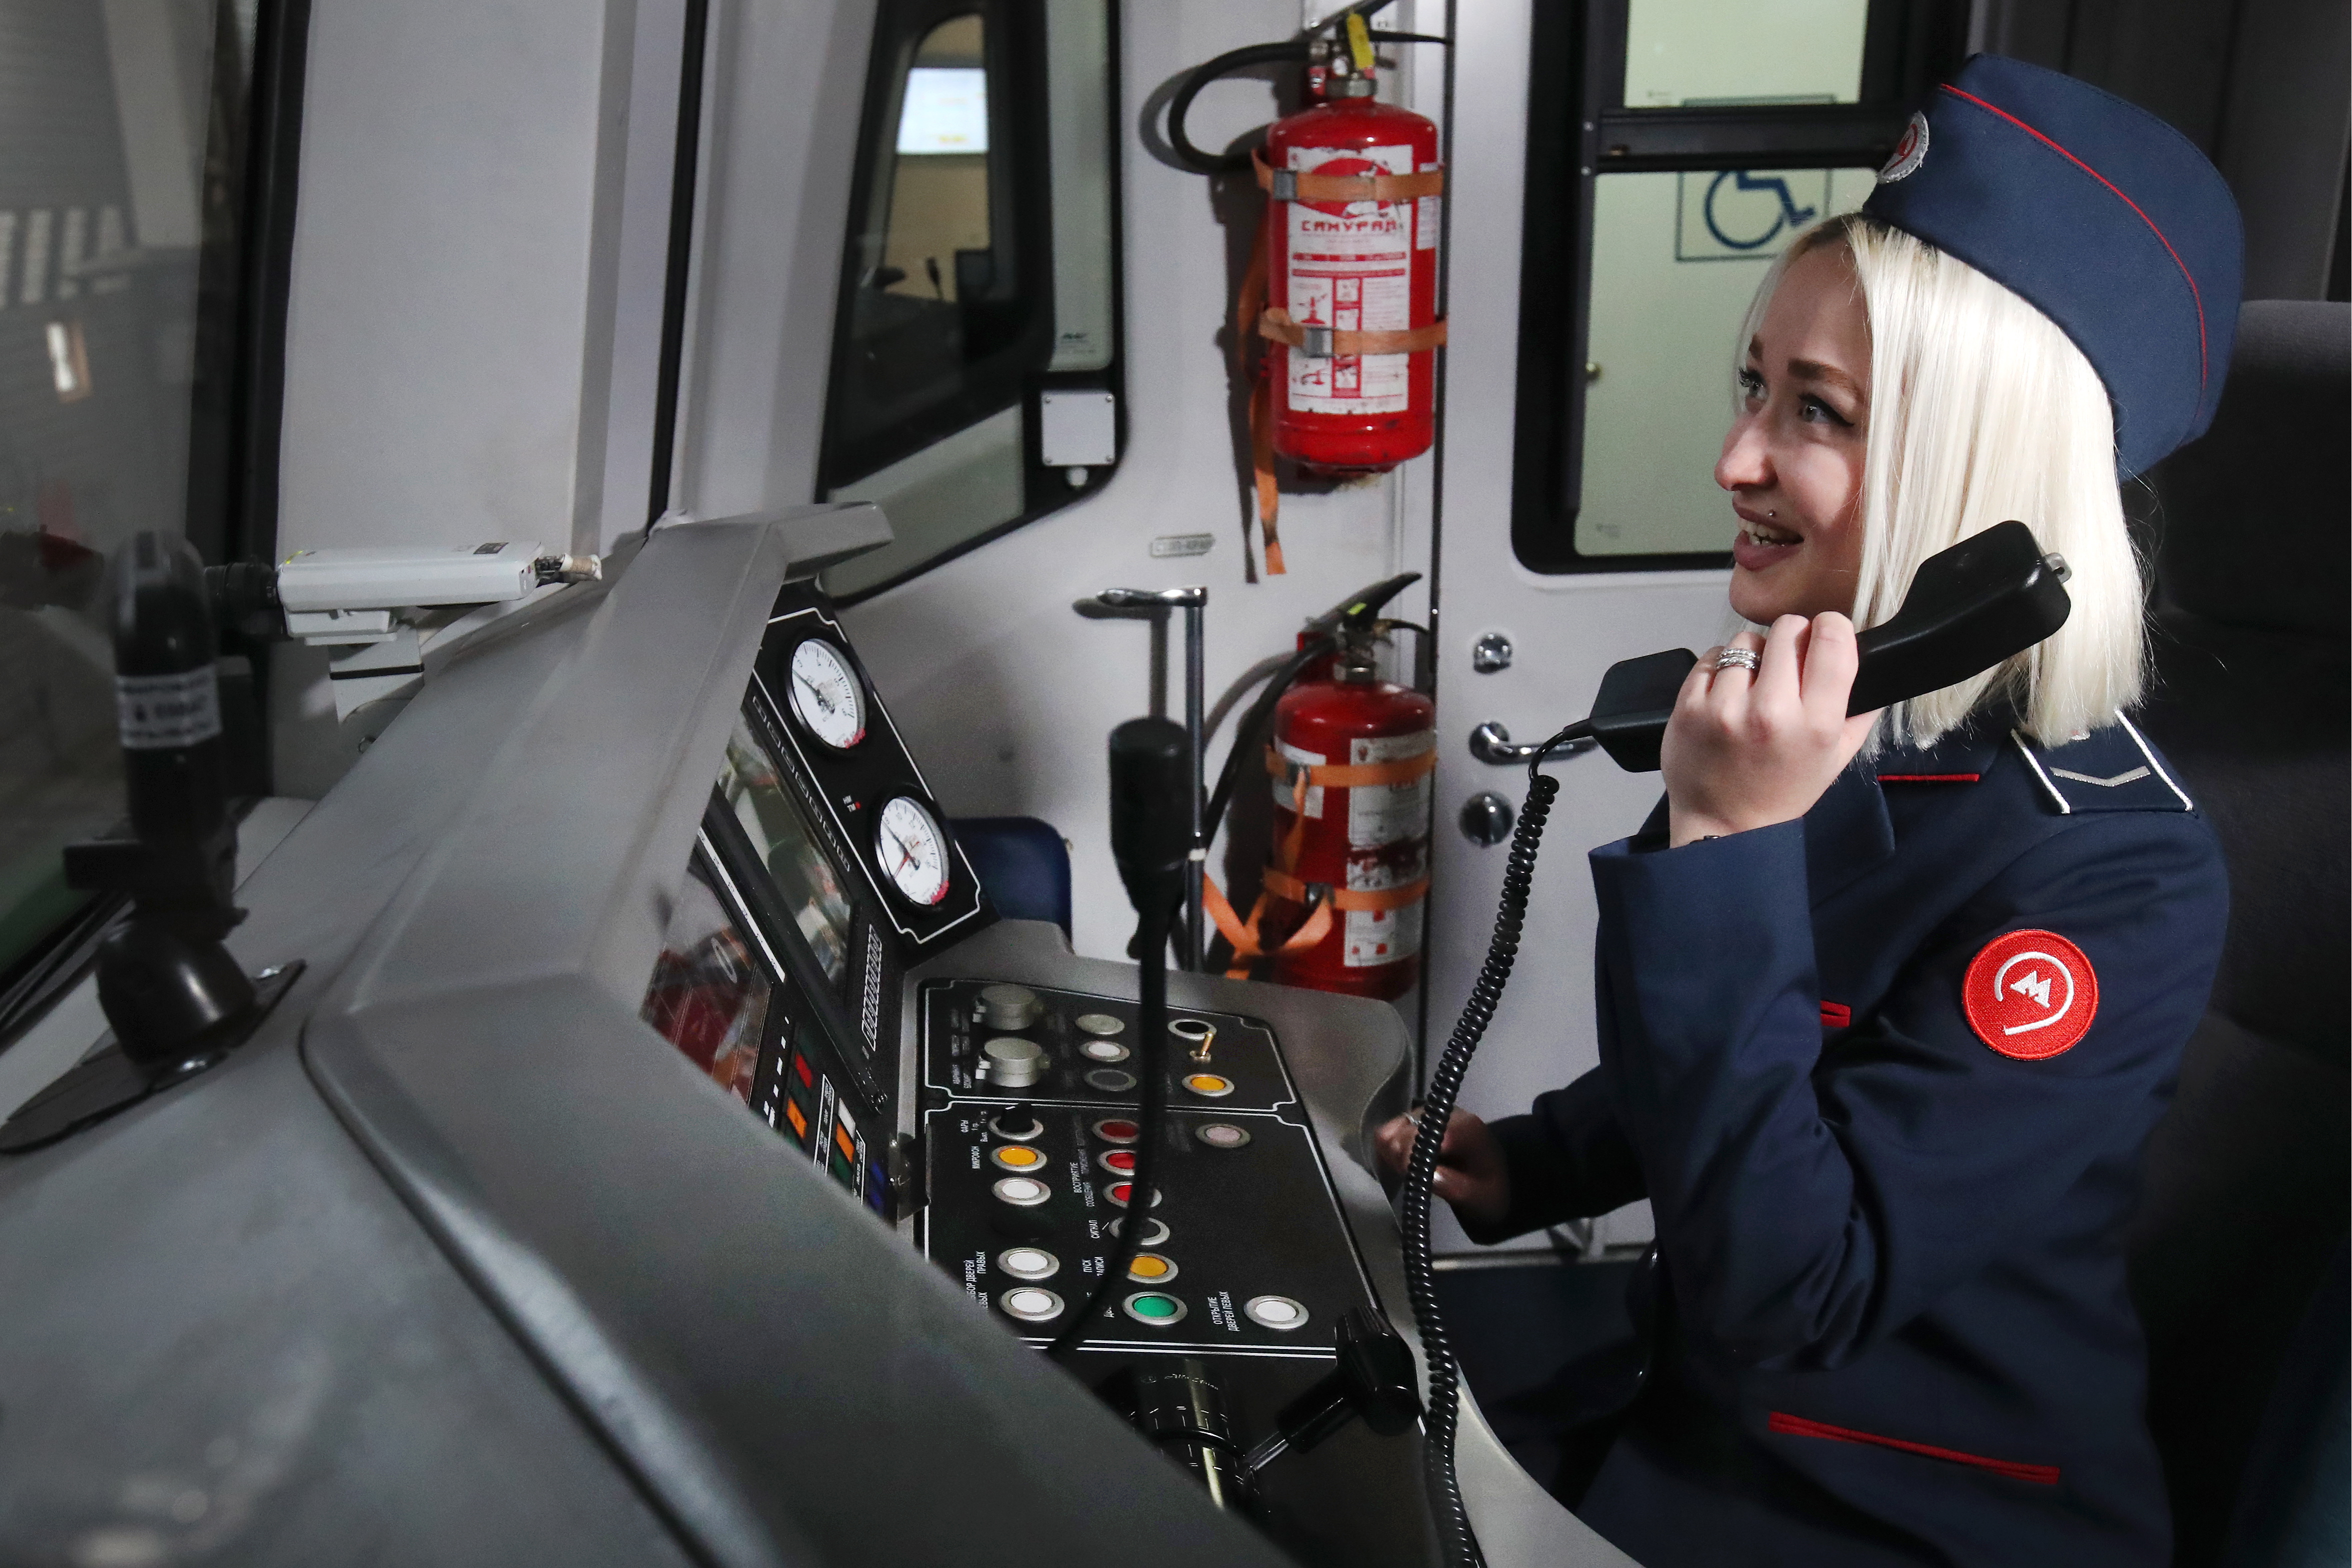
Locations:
(2110, 769)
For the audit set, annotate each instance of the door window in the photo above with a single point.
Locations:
(1704, 135)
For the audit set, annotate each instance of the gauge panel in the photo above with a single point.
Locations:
(881, 817)
(911, 848)
(825, 694)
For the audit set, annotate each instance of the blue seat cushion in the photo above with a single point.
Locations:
(1023, 866)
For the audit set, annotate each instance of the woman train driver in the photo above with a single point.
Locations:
(1888, 1005)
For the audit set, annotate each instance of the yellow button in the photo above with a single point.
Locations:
(1209, 1084)
(1150, 1268)
(1017, 1157)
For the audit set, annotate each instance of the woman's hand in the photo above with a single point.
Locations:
(1746, 750)
(1470, 1170)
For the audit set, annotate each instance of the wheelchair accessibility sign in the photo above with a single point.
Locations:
(1740, 215)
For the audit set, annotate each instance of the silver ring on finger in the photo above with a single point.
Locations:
(1736, 659)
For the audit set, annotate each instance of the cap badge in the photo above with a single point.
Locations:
(1909, 152)
(2031, 994)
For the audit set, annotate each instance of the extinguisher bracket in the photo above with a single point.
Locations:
(1282, 183)
(1316, 343)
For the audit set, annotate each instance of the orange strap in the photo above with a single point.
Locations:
(1276, 326)
(1244, 935)
(1311, 187)
(1247, 308)
(1337, 775)
(1283, 886)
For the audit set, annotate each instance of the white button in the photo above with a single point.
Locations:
(1098, 1024)
(1104, 1051)
(1028, 1262)
(1275, 1312)
(1026, 1191)
(1031, 1304)
(1222, 1134)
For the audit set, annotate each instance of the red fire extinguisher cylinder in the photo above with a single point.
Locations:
(1366, 843)
(1361, 265)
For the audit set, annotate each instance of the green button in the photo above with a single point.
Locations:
(1151, 1307)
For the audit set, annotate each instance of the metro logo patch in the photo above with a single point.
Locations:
(2031, 994)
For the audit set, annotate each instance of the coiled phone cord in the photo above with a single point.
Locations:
(1459, 1542)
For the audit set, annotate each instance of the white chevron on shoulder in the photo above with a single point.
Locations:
(2124, 778)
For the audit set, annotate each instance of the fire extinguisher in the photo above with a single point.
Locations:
(1349, 759)
(1341, 289)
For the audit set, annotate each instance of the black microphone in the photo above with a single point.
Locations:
(1151, 839)
(1151, 811)
(163, 978)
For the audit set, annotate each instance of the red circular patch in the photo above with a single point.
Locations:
(2031, 994)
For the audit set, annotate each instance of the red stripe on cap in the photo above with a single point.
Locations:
(2195, 297)
(1799, 1426)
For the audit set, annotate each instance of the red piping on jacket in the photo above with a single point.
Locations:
(1836, 1015)
(1797, 1426)
(2195, 297)
(1929, 778)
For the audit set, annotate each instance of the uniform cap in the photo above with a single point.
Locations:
(2101, 216)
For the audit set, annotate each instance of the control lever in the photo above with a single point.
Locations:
(1375, 1379)
(1180, 1407)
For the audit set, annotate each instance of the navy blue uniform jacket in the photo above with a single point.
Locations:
(1897, 1328)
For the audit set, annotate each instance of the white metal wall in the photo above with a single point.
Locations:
(1010, 694)
(1565, 629)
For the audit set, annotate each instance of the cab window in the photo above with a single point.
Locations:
(1701, 136)
(974, 381)
(145, 221)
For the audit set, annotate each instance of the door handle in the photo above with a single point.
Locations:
(1491, 744)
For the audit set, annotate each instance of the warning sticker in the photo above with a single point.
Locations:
(1382, 936)
(1386, 814)
(1351, 269)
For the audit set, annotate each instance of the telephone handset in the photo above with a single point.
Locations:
(1984, 600)
(1987, 597)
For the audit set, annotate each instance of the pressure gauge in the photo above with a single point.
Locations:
(826, 695)
(913, 850)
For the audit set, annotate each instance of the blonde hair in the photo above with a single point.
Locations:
(1982, 410)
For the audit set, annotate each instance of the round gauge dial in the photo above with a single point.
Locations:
(913, 850)
(826, 697)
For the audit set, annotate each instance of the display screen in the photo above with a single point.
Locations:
(809, 885)
(946, 110)
(708, 996)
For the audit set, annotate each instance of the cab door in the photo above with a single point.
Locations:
(1623, 173)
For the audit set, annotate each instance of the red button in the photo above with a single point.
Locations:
(1120, 1160)
(1117, 1132)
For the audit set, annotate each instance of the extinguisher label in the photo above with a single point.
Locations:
(1381, 936)
(1350, 268)
(1428, 216)
(1286, 793)
(1388, 847)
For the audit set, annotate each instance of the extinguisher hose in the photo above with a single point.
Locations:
(1247, 734)
(1289, 51)
(1445, 1505)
